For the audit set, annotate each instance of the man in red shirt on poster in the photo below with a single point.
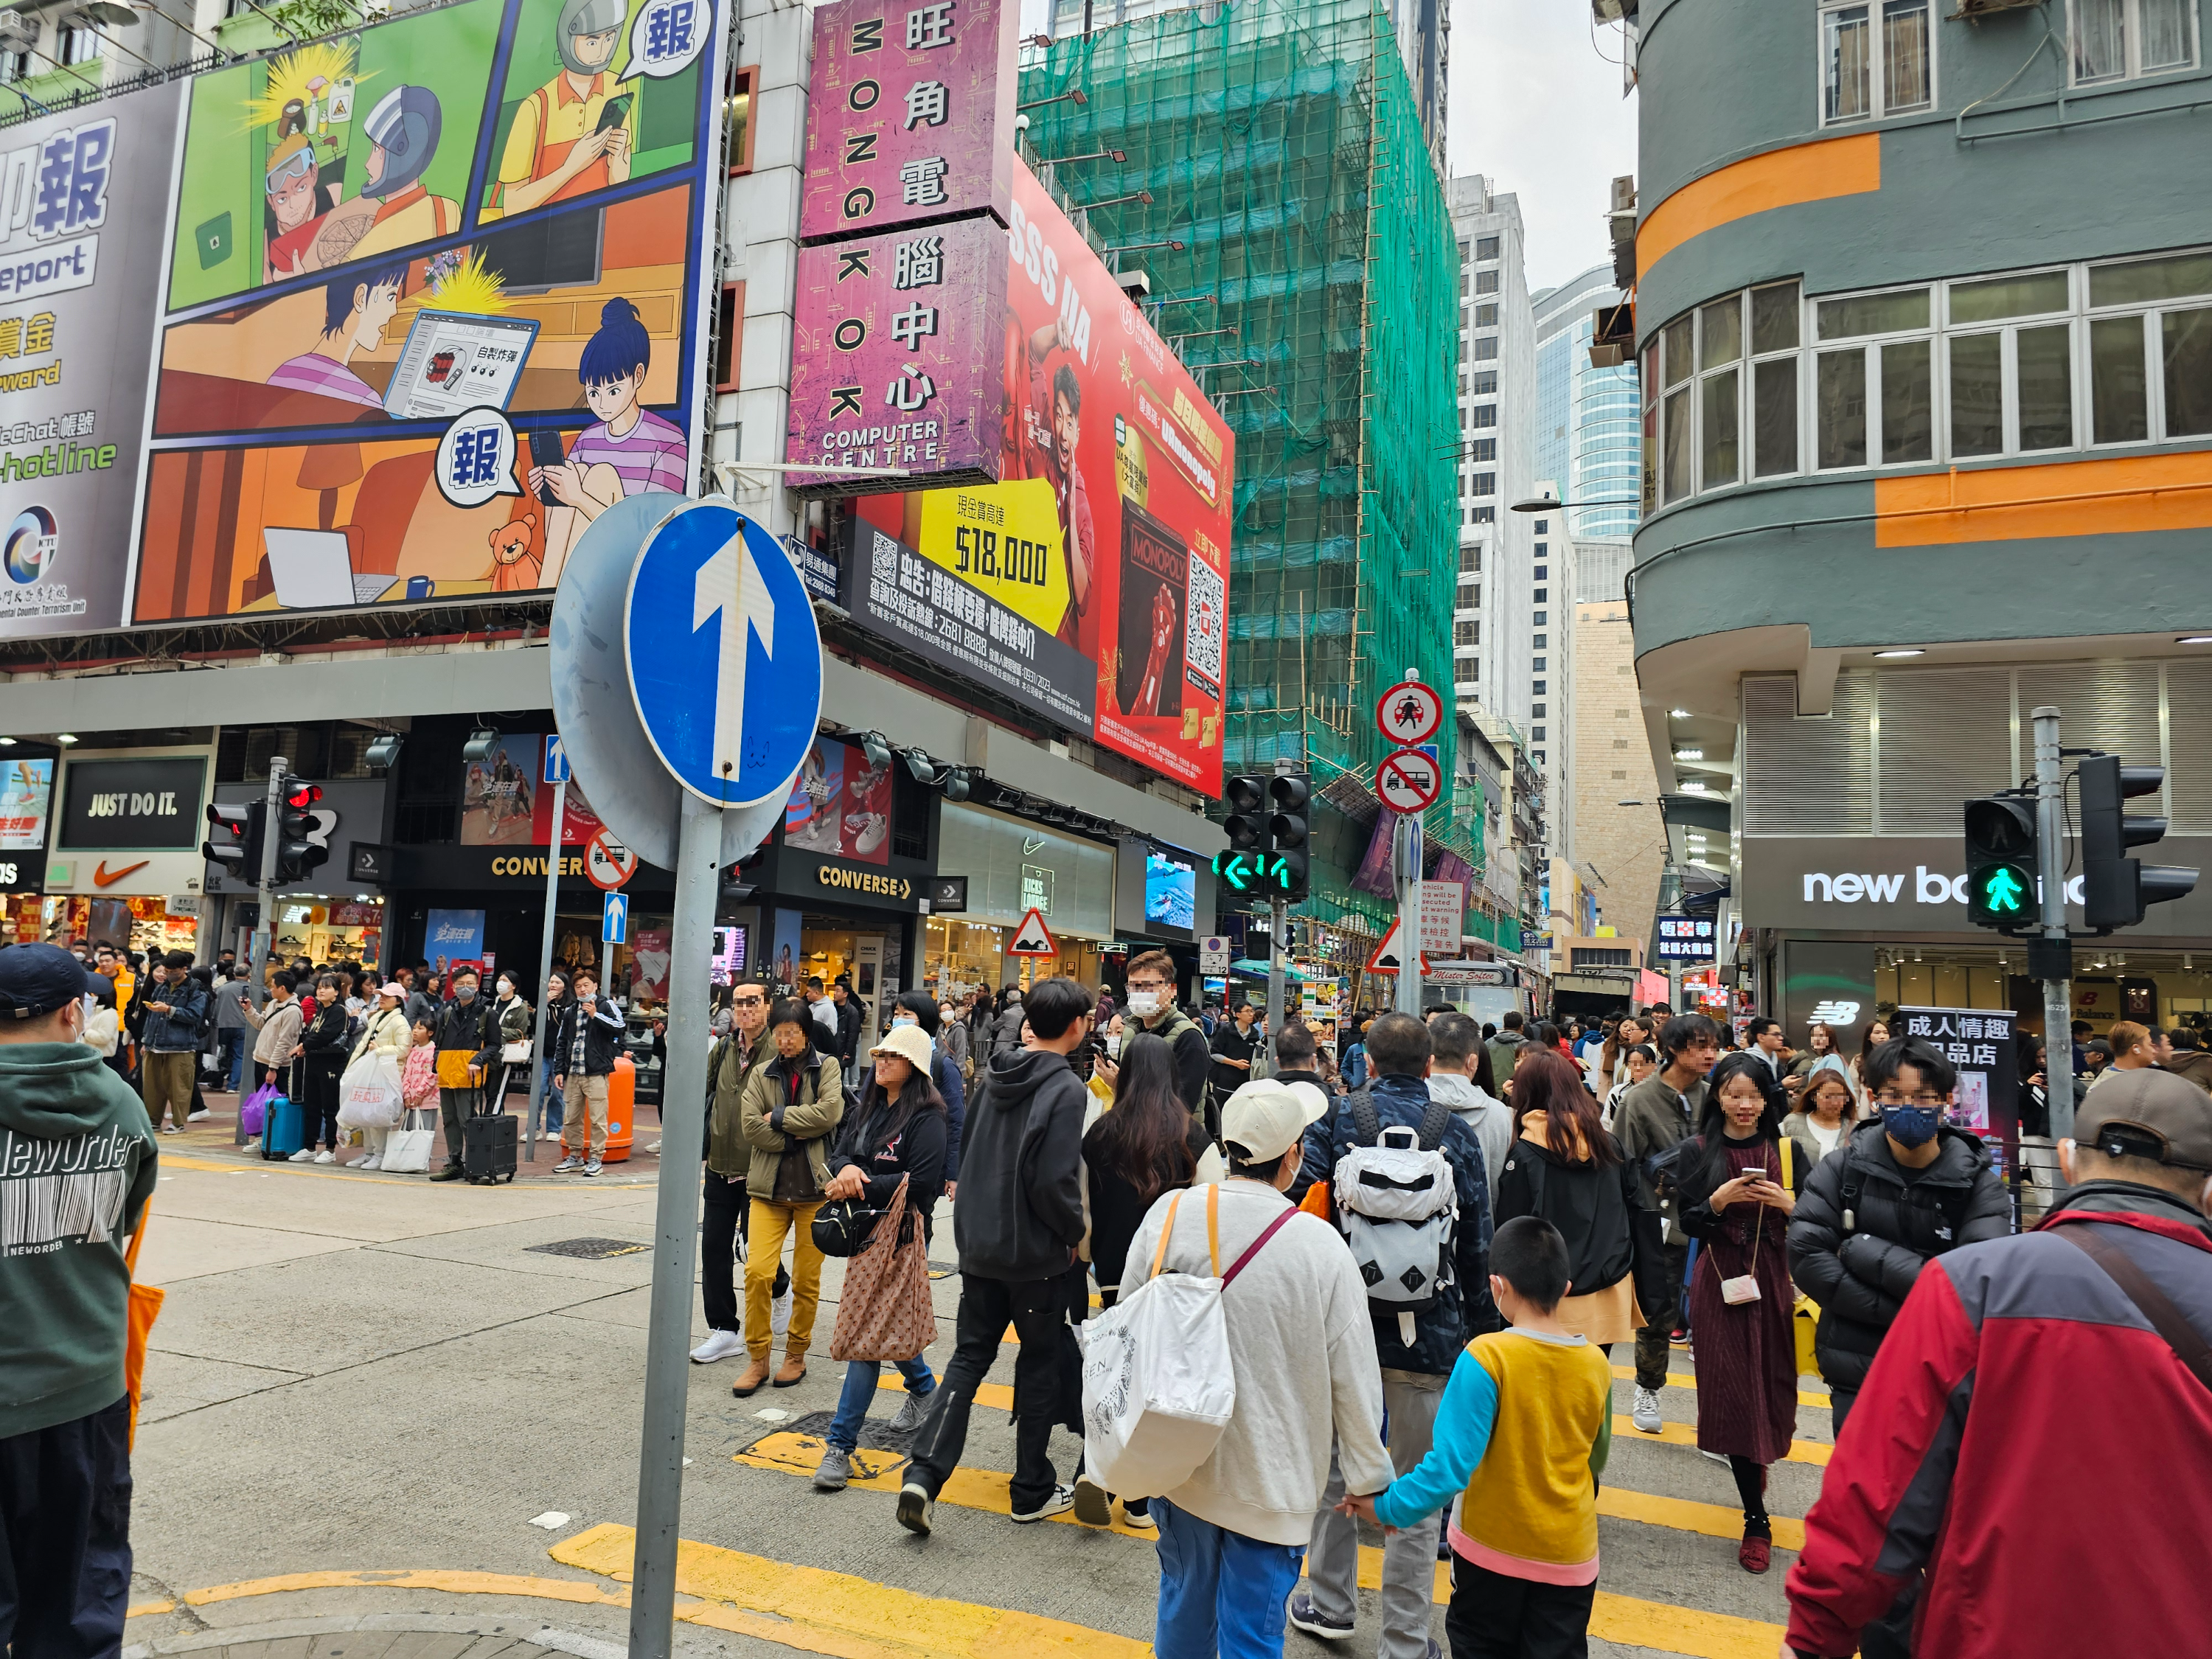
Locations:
(1051, 425)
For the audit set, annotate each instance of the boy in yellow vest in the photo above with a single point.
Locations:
(1520, 1438)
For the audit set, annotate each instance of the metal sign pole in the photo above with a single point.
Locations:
(2058, 994)
(257, 982)
(545, 967)
(1279, 914)
(1405, 857)
(682, 1125)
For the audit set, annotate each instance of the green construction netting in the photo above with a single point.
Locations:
(1318, 292)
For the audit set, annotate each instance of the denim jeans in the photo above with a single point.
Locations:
(860, 1392)
(550, 1106)
(1221, 1592)
(230, 1050)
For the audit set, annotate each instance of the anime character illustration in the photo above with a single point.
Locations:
(627, 451)
(394, 208)
(357, 310)
(575, 133)
(294, 190)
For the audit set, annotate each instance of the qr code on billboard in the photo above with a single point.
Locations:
(1204, 638)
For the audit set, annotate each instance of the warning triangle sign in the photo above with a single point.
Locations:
(1032, 939)
(1386, 959)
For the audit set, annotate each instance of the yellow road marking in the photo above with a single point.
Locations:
(1680, 1380)
(452, 1583)
(1623, 1619)
(1682, 1434)
(1001, 1397)
(839, 1613)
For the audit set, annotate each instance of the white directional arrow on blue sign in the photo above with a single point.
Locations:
(724, 658)
(557, 760)
(617, 928)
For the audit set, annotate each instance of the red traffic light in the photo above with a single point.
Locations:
(301, 796)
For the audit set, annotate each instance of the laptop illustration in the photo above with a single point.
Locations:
(313, 570)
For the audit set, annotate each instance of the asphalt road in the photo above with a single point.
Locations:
(370, 1397)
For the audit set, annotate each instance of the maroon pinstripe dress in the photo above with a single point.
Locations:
(1746, 1354)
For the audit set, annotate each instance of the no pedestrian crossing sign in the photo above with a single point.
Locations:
(714, 603)
(1409, 713)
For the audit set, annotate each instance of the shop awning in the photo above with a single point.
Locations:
(1250, 968)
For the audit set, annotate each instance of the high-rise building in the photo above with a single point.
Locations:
(1586, 417)
(1927, 375)
(1278, 189)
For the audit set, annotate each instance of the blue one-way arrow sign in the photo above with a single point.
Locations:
(617, 928)
(724, 656)
(557, 760)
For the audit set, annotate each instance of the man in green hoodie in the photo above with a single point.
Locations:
(76, 1165)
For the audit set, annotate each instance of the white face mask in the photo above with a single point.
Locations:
(1113, 1044)
(898, 1020)
(1144, 1004)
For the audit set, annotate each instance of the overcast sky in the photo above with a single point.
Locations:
(1533, 105)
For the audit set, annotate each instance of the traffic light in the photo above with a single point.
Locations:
(2116, 888)
(1241, 869)
(1289, 793)
(235, 843)
(2001, 863)
(300, 847)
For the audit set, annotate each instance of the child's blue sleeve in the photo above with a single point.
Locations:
(1464, 1420)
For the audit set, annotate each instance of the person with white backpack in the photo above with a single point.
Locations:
(1411, 1193)
(1301, 1359)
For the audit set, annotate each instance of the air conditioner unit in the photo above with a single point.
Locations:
(18, 32)
(1981, 7)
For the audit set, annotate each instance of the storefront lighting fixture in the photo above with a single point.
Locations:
(1094, 155)
(955, 784)
(1143, 195)
(64, 737)
(1881, 656)
(1689, 753)
(1075, 95)
(1678, 713)
(383, 752)
(924, 769)
(877, 747)
(7, 742)
(2194, 639)
(481, 741)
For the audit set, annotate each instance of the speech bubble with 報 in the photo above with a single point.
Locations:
(667, 37)
(476, 458)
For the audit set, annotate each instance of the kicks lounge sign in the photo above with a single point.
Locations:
(1917, 884)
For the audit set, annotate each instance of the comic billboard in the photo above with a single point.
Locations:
(1091, 582)
(433, 299)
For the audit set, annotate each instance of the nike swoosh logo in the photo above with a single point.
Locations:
(104, 877)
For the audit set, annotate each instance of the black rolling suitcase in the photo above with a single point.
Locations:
(487, 1143)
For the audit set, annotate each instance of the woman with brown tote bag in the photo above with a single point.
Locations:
(889, 1160)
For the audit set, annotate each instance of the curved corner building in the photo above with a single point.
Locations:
(1924, 312)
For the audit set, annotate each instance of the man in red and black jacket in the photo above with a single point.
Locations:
(2035, 1432)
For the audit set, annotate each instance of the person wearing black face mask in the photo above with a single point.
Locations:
(1905, 1188)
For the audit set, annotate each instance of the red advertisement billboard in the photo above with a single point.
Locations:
(1105, 545)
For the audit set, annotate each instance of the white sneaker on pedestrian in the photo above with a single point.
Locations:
(719, 1345)
(171, 1129)
(779, 1316)
(326, 1156)
(304, 1155)
(1304, 1616)
(373, 1161)
(1720, 1458)
(655, 1147)
(1094, 1506)
(911, 1411)
(569, 1165)
(200, 1116)
(591, 1168)
(1061, 1501)
(1645, 1411)
(916, 1508)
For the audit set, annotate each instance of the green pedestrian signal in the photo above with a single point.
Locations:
(2001, 889)
(2002, 894)
(2001, 850)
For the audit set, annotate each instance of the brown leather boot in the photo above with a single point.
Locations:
(750, 1380)
(794, 1368)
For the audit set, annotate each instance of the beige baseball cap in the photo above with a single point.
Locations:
(1265, 1119)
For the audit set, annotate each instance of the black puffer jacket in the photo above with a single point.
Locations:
(1862, 1274)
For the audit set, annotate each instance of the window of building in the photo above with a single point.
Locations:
(1539, 619)
(1543, 525)
(1538, 641)
(1537, 664)
(1482, 415)
(1482, 483)
(1485, 348)
(1486, 316)
(14, 65)
(80, 45)
(2121, 39)
(1542, 570)
(1482, 449)
(1483, 515)
(1470, 561)
(729, 336)
(1537, 755)
(1536, 687)
(1467, 633)
(1535, 711)
(1486, 281)
(1601, 957)
(1486, 247)
(1536, 735)
(737, 119)
(1484, 383)
(1541, 594)
(1541, 548)
(1876, 60)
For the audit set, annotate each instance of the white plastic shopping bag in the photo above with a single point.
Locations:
(407, 1148)
(368, 1093)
